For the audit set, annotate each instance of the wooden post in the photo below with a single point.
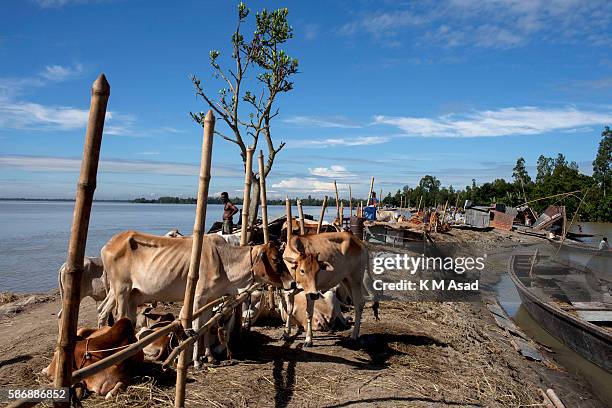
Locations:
(444, 212)
(301, 214)
(289, 219)
(360, 208)
(370, 193)
(341, 215)
(196, 253)
(420, 201)
(351, 199)
(263, 198)
(100, 91)
(337, 201)
(323, 207)
(246, 198)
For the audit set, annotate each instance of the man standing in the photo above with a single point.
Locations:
(229, 209)
(603, 245)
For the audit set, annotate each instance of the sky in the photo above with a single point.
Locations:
(458, 89)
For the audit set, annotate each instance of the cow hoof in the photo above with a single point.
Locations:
(308, 343)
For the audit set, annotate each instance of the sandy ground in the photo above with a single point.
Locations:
(417, 355)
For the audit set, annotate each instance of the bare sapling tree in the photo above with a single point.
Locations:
(257, 72)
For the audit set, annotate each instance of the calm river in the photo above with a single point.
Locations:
(35, 234)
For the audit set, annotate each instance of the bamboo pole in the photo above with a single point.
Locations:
(100, 92)
(323, 207)
(351, 199)
(341, 215)
(419, 207)
(196, 253)
(370, 193)
(360, 208)
(289, 219)
(246, 198)
(380, 197)
(444, 212)
(301, 214)
(554, 398)
(337, 201)
(571, 222)
(263, 199)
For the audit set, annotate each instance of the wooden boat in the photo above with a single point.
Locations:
(573, 324)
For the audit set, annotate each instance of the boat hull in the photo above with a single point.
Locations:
(586, 339)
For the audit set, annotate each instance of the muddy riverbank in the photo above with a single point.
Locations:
(421, 354)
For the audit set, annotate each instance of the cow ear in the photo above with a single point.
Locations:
(326, 266)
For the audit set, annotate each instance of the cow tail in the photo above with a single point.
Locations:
(60, 272)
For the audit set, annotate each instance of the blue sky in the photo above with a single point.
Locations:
(458, 89)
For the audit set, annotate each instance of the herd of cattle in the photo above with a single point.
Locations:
(318, 274)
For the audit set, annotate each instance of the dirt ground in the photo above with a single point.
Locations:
(418, 355)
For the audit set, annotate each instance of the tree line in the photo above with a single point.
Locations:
(554, 176)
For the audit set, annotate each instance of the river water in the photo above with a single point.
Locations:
(35, 234)
(599, 379)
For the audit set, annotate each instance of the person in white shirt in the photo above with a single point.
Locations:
(603, 245)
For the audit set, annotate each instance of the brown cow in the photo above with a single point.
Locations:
(144, 268)
(320, 262)
(95, 344)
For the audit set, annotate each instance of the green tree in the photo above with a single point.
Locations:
(261, 65)
(544, 168)
(602, 165)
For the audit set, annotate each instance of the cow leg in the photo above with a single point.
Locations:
(358, 303)
(203, 342)
(309, 312)
(290, 303)
(115, 390)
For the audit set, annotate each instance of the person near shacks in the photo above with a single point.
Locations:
(229, 210)
(603, 245)
(373, 200)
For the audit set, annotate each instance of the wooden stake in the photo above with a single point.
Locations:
(263, 198)
(323, 207)
(100, 92)
(370, 193)
(420, 200)
(196, 253)
(360, 208)
(337, 201)
(289, 219)
(444, 212)
(246, 198)
(351, 199)
(301, 214)
(341, 215)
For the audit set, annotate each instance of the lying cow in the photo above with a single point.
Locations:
(95, 344)
(320, 262)
(327, 314)
(93, 280)
(149, 321)
(145, 268)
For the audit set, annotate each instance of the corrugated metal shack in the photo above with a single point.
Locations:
(477, 216)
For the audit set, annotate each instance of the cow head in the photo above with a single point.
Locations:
(268, 266)
(306, 268)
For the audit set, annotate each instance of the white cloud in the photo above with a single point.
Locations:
(322, 122)
(333, 142)
(27, 115)
(526, 120)
(333, 172)
(62, 3)
(489, 24)
(60, 73)
(65, 164)
(304, 184)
